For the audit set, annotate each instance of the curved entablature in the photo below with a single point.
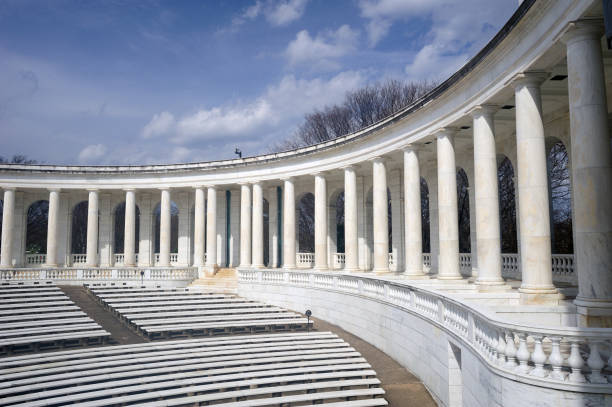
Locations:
(528, 36)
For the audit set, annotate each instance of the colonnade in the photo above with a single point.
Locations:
(591, 158)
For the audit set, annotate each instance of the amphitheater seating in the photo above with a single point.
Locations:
(186, 312)
(287, 369)
(41, 317)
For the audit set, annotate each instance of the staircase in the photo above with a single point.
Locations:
(224, 280)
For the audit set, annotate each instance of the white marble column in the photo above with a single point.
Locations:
(273, 225)
(92, 229)
(145, 246)
(488, 237)
(380, 215)
(351, 243)
(289, 224)
(320, 213)
(448, 232)
(211, 230)
(536, 264)
(245, 225)
(8, 221)
(129, 236)
(52, 227)
(412, 214)
(198, 229)
(165, 233)
(591, 158)
(258, 226)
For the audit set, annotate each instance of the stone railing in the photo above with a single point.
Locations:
(120, 259)
(562, 267)
(100, 273)
(427, 260)
(304, 260)
(465, 263)
(79, 258)
(391, 259)
(339, 260)
(173, 258)
(567, 358)
(35, 259)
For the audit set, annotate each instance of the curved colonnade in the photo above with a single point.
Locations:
(542, 77)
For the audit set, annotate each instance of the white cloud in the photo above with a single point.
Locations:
(323, 48)
(92, 154)
(277, 111)
(159, 125)
(231, 121)
(278, 13)
(457, 29)
(285, 12)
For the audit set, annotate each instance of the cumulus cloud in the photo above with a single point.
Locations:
(277, 110)
(457, 30)
(92, 154)
(277, 13)
(285, 12)
(323, 48)
(159, 125)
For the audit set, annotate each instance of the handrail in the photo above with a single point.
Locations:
(545, 356)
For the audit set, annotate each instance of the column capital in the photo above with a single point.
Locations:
(445, 132)
(287, 179)
(530, 79)
(129, 189)
(245, 183)
(483, 110)
(412, 148)
(319, 173)
(378, 159)
(199, 187)
(54, 189)
(352, 167)
(93, 190)
(210, 186)
(8, 188)
(587, 28)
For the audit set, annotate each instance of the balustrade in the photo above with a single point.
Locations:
(465, 263)
(558, 356)
(427, 262)
(339, 260)
(304, 259)
(35, 258)
(79, 258)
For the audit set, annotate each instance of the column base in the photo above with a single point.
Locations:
(415, 276)
(593, 313)
(351, 270)
(379, 272)
(289, 267)
(455, 278)
(321, 269)
(210, 270)
(543, 296)
(49, 265)
(257, 266)
(492, 286)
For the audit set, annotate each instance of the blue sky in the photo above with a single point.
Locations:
(134, 82)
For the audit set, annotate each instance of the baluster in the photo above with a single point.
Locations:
(510, 351)
(501, 348)
(538, 357)
(595, 363)
(522, 354)
(576, 363)
(555, 359)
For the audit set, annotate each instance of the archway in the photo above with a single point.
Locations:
(266, 231)
(119, 229)
(507, 206)
(560, 194)
(426, 234)
(174, 215)
(78, 235)
(463, 211)
(305, 209)
(36, 227)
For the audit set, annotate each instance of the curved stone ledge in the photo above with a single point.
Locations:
(390, 313)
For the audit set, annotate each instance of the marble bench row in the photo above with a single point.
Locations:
(286, 369)
(159, 314)
(42, 317)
